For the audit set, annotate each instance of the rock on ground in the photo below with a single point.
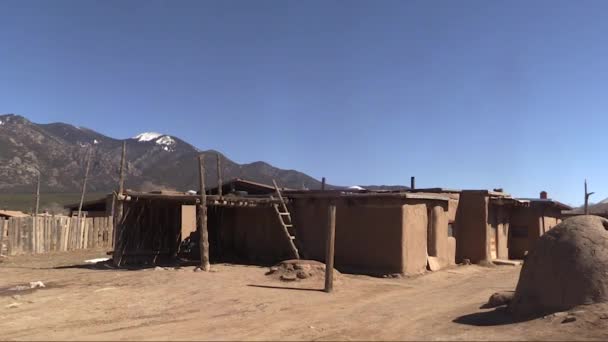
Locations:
(298, 270)
(499, 299)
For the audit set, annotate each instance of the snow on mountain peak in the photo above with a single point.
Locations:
(165, 140)
(147, 136)
(160, 139)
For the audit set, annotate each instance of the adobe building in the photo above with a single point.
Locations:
(376, 233)
(101, 207)
(530, 220)
(492, 225)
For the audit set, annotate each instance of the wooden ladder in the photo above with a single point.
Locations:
(285, 220)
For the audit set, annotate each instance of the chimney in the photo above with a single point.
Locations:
(543, 195)
(413, 183)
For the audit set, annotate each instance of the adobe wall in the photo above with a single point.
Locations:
(471, 227)
(438, 235)
(452, 208)
(523, 217)
(498, 224)
(249, 233)
(369, 233)
(551, 217)
(451, 251)
(538, 220)
(415, 226)
(188, 220)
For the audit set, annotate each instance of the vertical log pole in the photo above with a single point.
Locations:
(37, 195)
(329, 255)
(118, 206)
(123, 161)
(202, 218)
(219, 175)
(323, 184)
(84, 183)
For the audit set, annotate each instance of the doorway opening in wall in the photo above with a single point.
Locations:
(451, 232)
(519, 231)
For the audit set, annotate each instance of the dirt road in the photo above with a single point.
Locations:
(240, 302)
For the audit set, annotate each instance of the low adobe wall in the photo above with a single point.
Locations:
(369, 233)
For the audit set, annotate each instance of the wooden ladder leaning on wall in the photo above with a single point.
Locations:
(285, 220)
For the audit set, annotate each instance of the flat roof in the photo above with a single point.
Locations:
(548, 201)
(212, 200)
(86, 203)
(343, 194)
(13, 213)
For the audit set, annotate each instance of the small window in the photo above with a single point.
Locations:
(451, 229)
(519, 231)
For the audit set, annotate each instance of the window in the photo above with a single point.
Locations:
(451, 229)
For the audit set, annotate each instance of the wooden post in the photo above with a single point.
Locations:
(413, 183)
(587, 194)
(202, 218)
(123, 161)
(329, 255)
(323, 183)
(84, 183)
(37, 195)
(219, 175)
(117, 210)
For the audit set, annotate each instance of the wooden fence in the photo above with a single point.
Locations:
(29, 235)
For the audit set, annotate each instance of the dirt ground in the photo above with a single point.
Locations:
(237, 302)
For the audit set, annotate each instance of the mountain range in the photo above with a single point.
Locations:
(155, 161)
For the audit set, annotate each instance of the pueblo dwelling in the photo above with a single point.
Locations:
(377, 232)
(493, 225)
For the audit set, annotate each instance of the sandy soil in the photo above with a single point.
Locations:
(240, 302)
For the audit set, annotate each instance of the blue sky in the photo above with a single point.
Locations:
(461, 94)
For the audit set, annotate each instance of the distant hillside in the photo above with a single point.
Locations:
(155, 160)
(600, 208)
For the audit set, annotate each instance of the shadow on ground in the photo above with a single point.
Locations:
(286, 288)
(498, 316)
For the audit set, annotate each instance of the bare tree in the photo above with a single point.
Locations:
(587, 194)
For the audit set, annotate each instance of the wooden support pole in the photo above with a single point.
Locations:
(323, 183)
(329, 255)
(84, 182)
(219, 175)
(202, 219)
(37, 195)
(118, 207)
(123, 161)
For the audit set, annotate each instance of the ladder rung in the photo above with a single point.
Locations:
(288, 225)
(292, 237)
(283, 213)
